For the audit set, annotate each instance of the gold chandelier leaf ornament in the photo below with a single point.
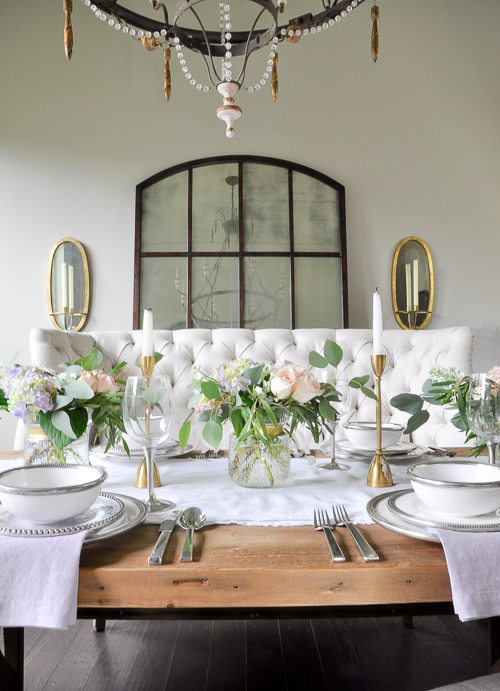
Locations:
(220, 49)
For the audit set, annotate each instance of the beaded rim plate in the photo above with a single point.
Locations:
(381, 514)
(106, 509)
(402, 448)
(406, 504)
(161, 453)
(135, 514)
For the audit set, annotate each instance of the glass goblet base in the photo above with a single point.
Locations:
(153, 504)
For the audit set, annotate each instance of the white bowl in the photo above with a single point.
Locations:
(458, 488)
(50, 493)
(363, 435)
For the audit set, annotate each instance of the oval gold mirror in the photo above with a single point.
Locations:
(68, 285)
(412, 284)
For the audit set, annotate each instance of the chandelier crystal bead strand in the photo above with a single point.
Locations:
(158, 32)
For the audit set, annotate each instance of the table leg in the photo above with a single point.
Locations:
(14, 651)
(493, 644)
(99, 624)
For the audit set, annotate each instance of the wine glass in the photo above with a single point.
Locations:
(148, 416)
(342, 407)
(483, 412)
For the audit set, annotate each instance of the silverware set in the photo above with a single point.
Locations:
(192, 519)
(340, 517)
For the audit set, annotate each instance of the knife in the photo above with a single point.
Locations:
(166, 528)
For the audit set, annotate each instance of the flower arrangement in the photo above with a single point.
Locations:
(254, 397)
(446, 387)
(62, 404)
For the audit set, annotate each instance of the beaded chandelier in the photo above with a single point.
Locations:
(226, 42)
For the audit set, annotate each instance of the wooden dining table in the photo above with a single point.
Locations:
(250, 572)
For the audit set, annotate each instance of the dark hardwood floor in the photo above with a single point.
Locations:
(287, 655)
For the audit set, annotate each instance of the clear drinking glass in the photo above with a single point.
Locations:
(148, 416)
(343, 408)
(483, 412)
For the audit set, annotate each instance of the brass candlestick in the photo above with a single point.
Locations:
(147, 364)
(379, 472)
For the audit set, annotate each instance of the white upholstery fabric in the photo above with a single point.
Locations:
(410, 356)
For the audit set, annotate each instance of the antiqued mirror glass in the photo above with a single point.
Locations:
(241, 241)
(68, 285)
(412, 284)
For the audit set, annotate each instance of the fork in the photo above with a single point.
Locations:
(340, 517)
(324, 524)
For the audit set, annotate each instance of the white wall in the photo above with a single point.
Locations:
(415, 139)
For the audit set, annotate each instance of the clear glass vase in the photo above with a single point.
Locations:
(38, 449)
(255, 465)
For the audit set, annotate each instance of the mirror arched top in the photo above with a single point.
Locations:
(241, 241)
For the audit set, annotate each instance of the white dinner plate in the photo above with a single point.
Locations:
(134, 514)
(106, 509)
(408, 506)
(119, 449)
(417, 452)
(400, 449)
(382, 514)
(161, 454)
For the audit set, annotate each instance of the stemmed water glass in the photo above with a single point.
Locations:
(483, 412)
(148, 416)
(343, 407)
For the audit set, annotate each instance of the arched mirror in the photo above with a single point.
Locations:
(241, 241)
(412, 284)
(68, 285)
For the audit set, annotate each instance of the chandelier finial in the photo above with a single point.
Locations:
(68, 29)
(375, 16)
(228, 111)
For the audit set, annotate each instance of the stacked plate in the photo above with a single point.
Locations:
(404, 513)
(403, 450)
(169, 449)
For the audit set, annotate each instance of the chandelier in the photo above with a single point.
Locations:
(166, 33)
(263, 305)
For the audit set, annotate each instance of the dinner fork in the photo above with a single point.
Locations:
(340, 517)
(324, 524)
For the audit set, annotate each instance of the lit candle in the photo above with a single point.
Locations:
(64, 288)
(71, 288)
(408, 288)
(378, 329)
(415, 283)
(147, 333)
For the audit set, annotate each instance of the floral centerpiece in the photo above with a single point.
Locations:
(446, 387)
(265, 405)
(63, 404)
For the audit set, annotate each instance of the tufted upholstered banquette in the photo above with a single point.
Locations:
(410, 356)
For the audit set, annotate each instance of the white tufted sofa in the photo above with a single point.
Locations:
(410, 356)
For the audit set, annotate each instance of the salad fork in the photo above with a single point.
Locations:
(340, 517)
(324, 524)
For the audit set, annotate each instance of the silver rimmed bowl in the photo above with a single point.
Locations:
(363, 435)
(50, 493)
(457, 488)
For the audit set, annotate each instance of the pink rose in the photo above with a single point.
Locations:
(307, 387)
(99, 381)
(89, 378)
(283, 380)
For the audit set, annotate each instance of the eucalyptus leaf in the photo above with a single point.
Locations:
(317, 360)
(327, 411)
(358, 382)
(333, 353)
(210, 389)
(212, 432)
(416, 421)
(60, 401)
(184, 433)
(157, 357)
(254, 374)
(74, 369)
(57, 438)
(194, 399)
(153, 394)
(237, 421)
(61, 421)
(369, 393)
(408, 402)
(78, 389)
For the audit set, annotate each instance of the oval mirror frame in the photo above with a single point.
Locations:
(81, 289)
(398, 288)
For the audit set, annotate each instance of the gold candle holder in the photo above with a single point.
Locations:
(412, 315)
(147, 364)
(379, 472)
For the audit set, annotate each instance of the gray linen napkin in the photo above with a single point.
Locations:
(473, 561)
(39, 580)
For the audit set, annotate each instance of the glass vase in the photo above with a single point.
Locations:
(255, 465)
(38, 449)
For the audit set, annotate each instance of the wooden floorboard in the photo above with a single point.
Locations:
(287, 655)
(264, 655)
(303, 669)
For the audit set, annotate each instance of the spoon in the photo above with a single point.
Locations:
(192, 519)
